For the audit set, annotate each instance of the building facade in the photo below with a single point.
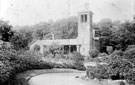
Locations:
(82, 44)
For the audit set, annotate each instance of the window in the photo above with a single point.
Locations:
(81, 18)
(84, 18)
(96, 34)
(36, 48)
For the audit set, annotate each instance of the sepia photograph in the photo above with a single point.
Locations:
(67, 42)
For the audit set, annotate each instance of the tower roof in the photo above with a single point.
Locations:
(83, 12)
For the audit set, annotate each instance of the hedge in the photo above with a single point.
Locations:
(14, 62)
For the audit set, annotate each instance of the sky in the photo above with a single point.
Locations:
(30, 12)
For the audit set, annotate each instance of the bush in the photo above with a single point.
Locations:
(130, 55)
(34, 60)
(5, 71)
(99, 72)
(105, 59)
(118, 52)
(90, 72)
(73, 61)
(117, 67)
(15, 62)
(122, 65)
(130, 47)
(130, 77)
(102, 54)
(94, 53)
(78, 59)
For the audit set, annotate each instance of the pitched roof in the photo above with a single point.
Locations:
(58, 41)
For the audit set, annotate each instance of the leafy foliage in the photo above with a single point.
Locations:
(94, 53)
(14, 62)
(19, 41)
(119, 65)
(61, 60)
(105, 39)
(27, 32)
(102, 54)
(99, 72)
(130, 55)
(119, 39)
(119, 68)
(130, 77)
(5, 31)
(66, 28)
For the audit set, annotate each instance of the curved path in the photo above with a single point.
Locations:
(60, 79)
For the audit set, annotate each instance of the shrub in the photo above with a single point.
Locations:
(94, 53)
(130, 77)
(102, 54)
(15, 62)
(78, 59)
(99, 72)
(34, 60)
(5, 71)
(118, 52)
(90, 72)
(130, 47)
(117, 67)
(105, 59)
(115, 70)
(121, 65)
(102, 72)
(130, 55)
(97, 60)
(73, 61)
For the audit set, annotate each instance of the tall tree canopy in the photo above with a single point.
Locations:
(116, 34)
(5, 31)
(66, 28)
(19, 41)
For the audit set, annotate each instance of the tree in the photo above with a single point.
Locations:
(5, 31)
(19, 41)
(66, 28)
(27, 32)
(105, 24)
(105, 33)
(105, 39)
(40, 30)
(119, 39)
